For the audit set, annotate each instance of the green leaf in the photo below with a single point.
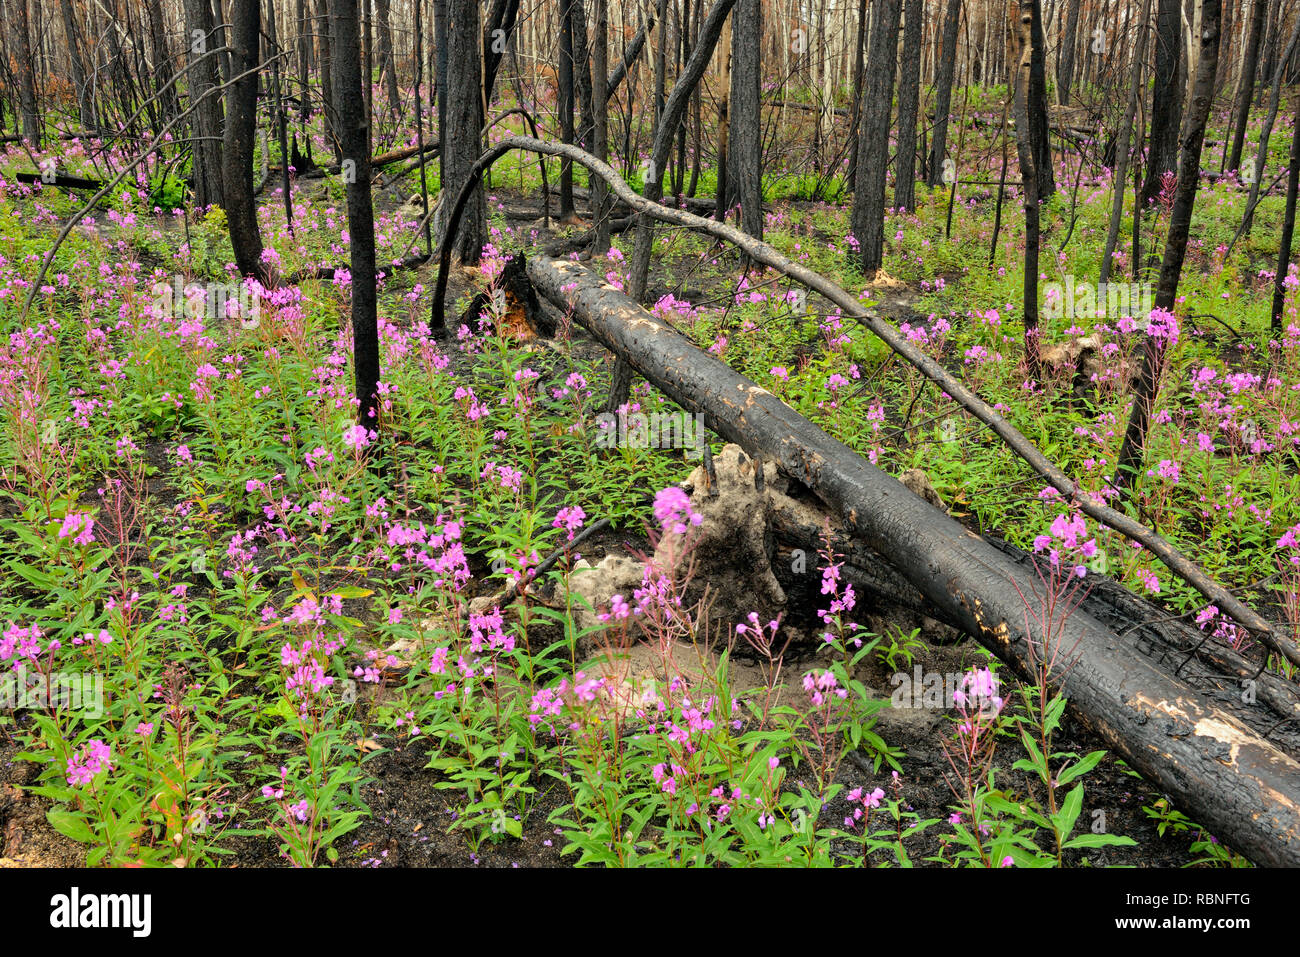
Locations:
(1099, 840)
(352, 591)
(71, 825)
(1079, 768)
(1069, 813)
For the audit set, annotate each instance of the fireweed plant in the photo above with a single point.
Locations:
(995, 827)
(221, 614)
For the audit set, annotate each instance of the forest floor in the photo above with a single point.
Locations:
(239, 538)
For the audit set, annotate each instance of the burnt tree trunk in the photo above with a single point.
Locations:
(1026, 14)
(1122, 147)
(747, 136)
(80, 74)
(909, 99)
(237, 145)
(943, 93)
(497, 36)
(326, 64)
(1249, 64)
(1039, 128)
(855, 118)
(723, 136)
(1153, 351)
(208, 120)
(281, 119)
(303, 34)
(462, 135)
(564, 101)
(1167, 104)
(162, 60)
(388, 62)
(354, 137)
(582, 73)
(868, 216)
(1265, 133)
(1065, 59)
(1288, 226)
(600, 205)
(26, 75)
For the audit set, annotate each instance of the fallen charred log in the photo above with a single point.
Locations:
(64, 182)
(760, 252)
(376, 162)
(1232, 780)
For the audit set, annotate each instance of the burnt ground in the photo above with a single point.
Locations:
(410, 815)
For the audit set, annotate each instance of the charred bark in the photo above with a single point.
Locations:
(868, 215)
(909, 100)
(354, 136)
(1288, 227)
(462, 134)
(237, 144)
(208, 119)
(746, 147)
(943, 93)
(388, 62)
(1065, 59)
(1167, 102)
(1249, 64)
(26, 75)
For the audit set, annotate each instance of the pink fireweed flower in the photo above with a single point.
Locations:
(618, 609)
(673, 510)
(817, 684)
(92, 758)
(979, 689)
(78, 526)
(1162, 324)
(1290, 540)
(1167, 469)
(570, 519)
(1068, 536)
(486, 630)
(547, 703)
(358, 437)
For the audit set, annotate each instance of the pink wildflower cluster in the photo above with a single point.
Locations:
(438, 550)
(841, 602)
(1068, 539)
(90, 760)
(1220, 626)
(863, 801)
(673, 510)
(1162, 324)
(822, 685)
(79, 527)
(570, 519)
